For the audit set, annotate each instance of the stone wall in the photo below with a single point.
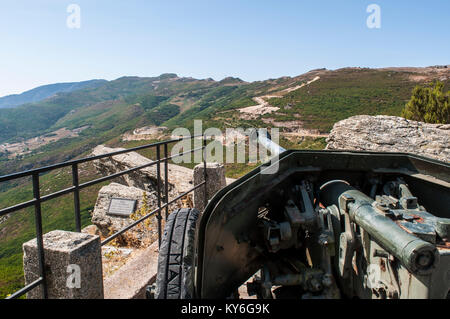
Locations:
(391, 134)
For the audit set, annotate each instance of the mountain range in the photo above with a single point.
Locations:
(312, 101)
(42, 92)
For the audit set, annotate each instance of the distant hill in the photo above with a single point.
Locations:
(42, 92)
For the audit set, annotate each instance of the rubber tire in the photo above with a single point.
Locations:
(175, 277)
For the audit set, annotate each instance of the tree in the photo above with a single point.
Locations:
(428, 104)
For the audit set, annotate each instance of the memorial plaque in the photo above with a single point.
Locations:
(121, 207)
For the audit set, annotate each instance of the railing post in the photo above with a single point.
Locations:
(38, 223)
(74, 265)
(204, 171)
(76, 197)
(166, 179)
(158, 191)
(216, 181)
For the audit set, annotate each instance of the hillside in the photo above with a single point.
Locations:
(310, 103)
(45, 91)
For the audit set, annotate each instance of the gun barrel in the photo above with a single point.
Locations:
(416, 255)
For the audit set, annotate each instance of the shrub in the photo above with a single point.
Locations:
(428, 104)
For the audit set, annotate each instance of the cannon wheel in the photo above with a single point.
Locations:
(175, 278)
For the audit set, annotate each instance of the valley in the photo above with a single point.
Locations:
(22, 148)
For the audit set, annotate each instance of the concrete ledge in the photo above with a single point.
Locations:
(130, 281)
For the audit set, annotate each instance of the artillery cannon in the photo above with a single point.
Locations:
(326, 224)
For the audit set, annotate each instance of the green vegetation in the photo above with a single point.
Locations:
(163, 113)
(34, 119)
(429, 104)
(217, 99)
(304, 143)
(342, 94)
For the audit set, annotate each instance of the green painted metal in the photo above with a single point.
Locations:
(357, 228)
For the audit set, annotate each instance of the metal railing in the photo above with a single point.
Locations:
(76, 187)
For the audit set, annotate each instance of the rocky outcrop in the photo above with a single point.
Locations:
(144, 133)
(108, 224)
(391, 134)
(4, 218)
(180, 178)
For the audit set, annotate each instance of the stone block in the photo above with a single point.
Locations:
(73, 266)
(215, 181)
(108, 224)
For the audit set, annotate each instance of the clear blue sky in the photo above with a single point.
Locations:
(250, 39)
